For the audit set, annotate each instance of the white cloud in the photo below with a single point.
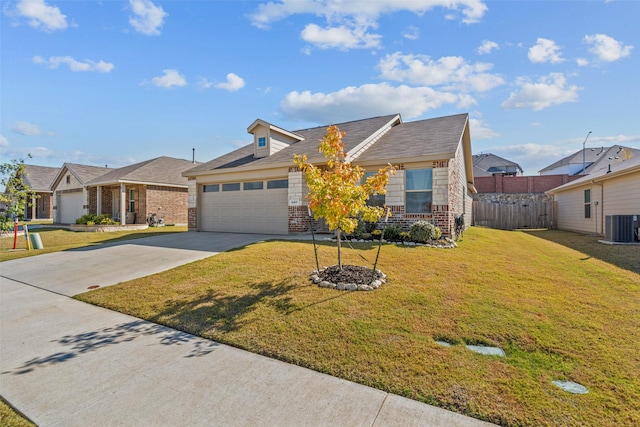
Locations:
(545, 50)
(480, 130)
(341, 37)
(74, 65)
(147, 17)
(203, 83)
(615, 140)
(487, 46)
(451, 72)
(607, 48)
(350, 21)
(549, 90)
(169, 79)
(582, 62)
(411, 33)
(364, 101)
(3, 141)
(233, 83)
(41, 16)
(43, 155)
(29, 129)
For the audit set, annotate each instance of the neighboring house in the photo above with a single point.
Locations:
(70, 193)
(131, 193)
(588, 204)
(590, 158)
(39, 178)
(489, 164)
(258, 189)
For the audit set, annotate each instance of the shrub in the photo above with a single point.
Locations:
(392, 232)
(91, 219)
(404, 236)
(423, 231)
(376, 234)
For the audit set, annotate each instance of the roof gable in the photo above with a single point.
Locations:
(487, 164)
(83, 173)
(242, 158)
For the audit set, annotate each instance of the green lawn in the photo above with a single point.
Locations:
(559, 314)
(58, 239)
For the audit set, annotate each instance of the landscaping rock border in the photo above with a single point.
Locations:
(365, 279)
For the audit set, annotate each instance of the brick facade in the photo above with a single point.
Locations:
(170, 202)
(43, 204)
(521, 184)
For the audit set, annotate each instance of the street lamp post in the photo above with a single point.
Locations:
(583, 152)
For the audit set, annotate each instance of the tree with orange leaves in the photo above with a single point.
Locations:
(337, 193)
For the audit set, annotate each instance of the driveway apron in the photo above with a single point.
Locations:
(67, 363)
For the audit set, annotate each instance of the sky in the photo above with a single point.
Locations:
(117, 82)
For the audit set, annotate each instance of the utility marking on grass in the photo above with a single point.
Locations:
(487, 351)
(443, 343)
(571, 387)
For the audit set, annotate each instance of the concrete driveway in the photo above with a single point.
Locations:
(72, 272)
(67, 363)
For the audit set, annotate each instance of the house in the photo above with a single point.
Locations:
(131, 193)
(489, 164)
(39, 179)
(588, 204)
(258, 189)
(584, 161)
(70, 193)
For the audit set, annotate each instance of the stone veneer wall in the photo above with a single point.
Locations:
(192, 204)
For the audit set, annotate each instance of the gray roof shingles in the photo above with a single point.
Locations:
(161, 170)
(404, 140)
(39, 178)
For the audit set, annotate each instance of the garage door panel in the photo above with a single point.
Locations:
(70, 207)
(254, 211)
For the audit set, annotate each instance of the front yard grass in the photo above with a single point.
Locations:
(558, 313)
(60, 239)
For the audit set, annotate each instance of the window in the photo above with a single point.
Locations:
(262, 141)
(419, 186)
(211, 188)
(231, 187)
(256, 185)
(587, 203)
(374, 199)
(132, 200)
(277, 183)
(68, 179)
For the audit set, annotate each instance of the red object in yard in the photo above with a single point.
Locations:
(15, 234)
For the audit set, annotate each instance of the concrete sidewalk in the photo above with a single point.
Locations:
(67, 363)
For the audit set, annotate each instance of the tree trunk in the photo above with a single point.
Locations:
(338, 231)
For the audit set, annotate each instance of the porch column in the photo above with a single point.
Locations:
(33, 207)
(123, 204)
(99, 200)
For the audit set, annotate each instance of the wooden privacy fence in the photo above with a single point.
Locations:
(515, 215)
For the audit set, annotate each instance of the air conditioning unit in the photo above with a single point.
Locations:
(622, 228)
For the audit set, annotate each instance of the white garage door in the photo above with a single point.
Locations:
(236, 208)
(70, 207)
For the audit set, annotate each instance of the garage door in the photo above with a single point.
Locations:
(244, 207)
(70, 207)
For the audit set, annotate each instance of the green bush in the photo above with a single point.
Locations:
(392, 232)
(424, 231)
(91, 219)
(404, 236)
